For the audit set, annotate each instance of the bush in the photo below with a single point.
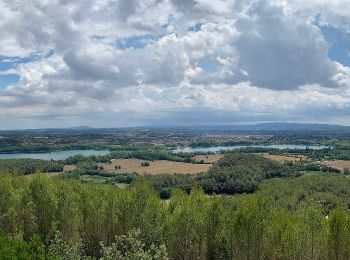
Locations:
(130, 246)
(126, 178)
(165, 193)
(145, 164)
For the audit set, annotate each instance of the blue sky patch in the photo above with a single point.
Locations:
(208, 65)
(9, 79)
(141, 41)
(11, 62)
(136, 42)
(339, 44)
(7, 63)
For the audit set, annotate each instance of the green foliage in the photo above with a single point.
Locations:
(241, 172)
(9, 203)
(327, 190)
(145, 164)
(126, 178)
(16, 249)
(247, 227)
(290, 218)
(29, 166)
(165, 183)
(232, 174)
(140, 153)
(45, 205)
(130, 247)
(186, 226)
(339, 237)
(60, 249)
(87, 165)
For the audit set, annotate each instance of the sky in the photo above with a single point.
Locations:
(117, 63)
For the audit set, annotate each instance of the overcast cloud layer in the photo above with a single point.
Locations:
(110, 63)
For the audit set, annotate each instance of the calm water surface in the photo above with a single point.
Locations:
(60, 155)
(218, 148)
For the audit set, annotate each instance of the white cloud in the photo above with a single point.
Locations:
(246, 60)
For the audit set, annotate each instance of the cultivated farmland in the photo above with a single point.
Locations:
(339, 164)
(155, 167)
(282, 158)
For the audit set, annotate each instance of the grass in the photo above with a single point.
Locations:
(312, 173)
(211, 158)
(155, 167)
(339, 164)
(282, 158)
(122, 185)
(94, 179)
(68, 168)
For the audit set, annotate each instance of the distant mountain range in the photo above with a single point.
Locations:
(79, 128)
(262, 127)
(267, 128)
(281, 126)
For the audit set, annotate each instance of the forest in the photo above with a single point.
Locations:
(245, 206)
(235, 173)
(294, 218)
(29, 166)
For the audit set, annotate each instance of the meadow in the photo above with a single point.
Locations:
(155, 167)
(339, 164)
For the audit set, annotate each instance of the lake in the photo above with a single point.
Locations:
(218, 148)
(59, 155)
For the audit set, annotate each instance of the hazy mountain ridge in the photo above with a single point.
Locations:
(278, 126)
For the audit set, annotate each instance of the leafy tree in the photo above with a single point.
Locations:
(339, 234)
(215, 237)
(27, 214)
(130, 247)
(93, 208)
(313, 225)
(9, 202)
(304, 217)
(45, 205)
(16, 249)
(68, 212)
(186, 227)
(60, 249)
(145, 164)
(246, 229)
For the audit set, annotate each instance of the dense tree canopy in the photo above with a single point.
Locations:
(234, 173)
(300, 218)
(29, 166)
(241, 172)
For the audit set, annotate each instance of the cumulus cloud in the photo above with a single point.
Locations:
(180, 61)
(282, 52)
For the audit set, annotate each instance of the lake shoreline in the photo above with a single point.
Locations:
(54, 155)
(189, 149)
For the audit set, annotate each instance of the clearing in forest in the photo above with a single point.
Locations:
(155, 167)
(210, 158)
(283, 158)
(69, 167)
(339, 164)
